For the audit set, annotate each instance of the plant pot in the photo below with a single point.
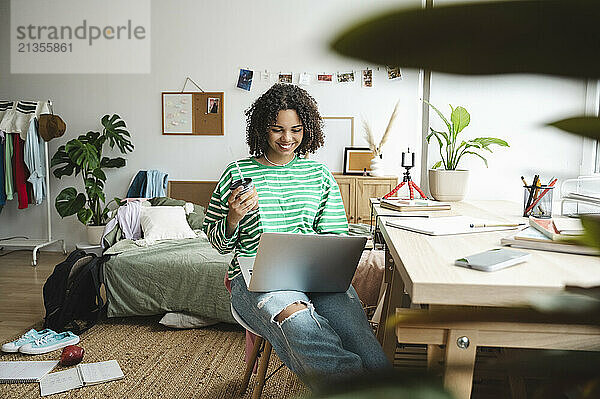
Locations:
(377, 167)
(448, 185)
(94, 234)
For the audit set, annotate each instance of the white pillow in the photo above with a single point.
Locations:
(164, 223)
(185, 320)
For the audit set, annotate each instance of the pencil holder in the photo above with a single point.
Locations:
(537, 201)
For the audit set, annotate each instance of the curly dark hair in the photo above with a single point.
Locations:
(265, 109)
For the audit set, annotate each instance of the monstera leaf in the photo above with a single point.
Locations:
(69, 202)
(113, 129)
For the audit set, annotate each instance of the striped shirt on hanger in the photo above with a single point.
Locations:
(302, 197)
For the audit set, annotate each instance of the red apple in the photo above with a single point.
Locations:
(71, 355)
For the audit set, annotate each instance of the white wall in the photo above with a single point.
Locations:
(208, 41)
(286, 36)
(516, 109)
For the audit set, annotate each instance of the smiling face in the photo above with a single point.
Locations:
(284, 136)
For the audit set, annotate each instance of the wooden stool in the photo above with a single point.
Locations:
(262, 348)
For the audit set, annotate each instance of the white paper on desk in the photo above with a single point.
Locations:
(60, 381)
(446, 225)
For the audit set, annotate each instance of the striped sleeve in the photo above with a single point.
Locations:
(331, 216)
(215, 222)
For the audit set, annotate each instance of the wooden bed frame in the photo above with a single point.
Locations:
(195, 191)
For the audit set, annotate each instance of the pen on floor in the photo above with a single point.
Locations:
(496, 224)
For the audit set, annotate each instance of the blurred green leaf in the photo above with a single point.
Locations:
(588, 126)
(556, 37)
(591, 236)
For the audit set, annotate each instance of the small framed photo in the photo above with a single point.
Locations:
(345, 77)
(245, 79)
(325, 77)
(285, 77)
(213, 105)
(357, 160)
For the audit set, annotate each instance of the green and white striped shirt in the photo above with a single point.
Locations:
(301, 197)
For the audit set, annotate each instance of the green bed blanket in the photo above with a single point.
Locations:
(170, 276)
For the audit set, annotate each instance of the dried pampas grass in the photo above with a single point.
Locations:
(373, 145)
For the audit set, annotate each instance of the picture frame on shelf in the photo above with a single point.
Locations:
(357, 160)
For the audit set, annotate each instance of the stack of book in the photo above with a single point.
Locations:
(557, 234)
(407, 205)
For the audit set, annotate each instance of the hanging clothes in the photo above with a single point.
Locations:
(8, 169)
(19, 170)
(2, 191)
(16, 119)
(156, 184)
(137, 188)
(34, 160)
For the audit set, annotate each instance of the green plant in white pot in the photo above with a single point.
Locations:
(450, 183)
(83, 155)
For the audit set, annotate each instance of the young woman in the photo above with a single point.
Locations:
(315, 335)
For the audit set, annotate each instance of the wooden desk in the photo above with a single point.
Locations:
(423, 267)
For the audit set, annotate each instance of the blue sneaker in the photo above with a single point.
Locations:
(49, 342)
(26, 338)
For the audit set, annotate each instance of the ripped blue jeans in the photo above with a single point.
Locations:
(330, 338)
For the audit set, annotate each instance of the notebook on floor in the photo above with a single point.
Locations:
(25, 371)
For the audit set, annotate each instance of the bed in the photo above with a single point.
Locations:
(170, 276)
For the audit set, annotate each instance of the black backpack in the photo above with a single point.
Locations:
(72, 293)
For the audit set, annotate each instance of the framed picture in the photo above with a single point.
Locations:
(339, 133)
(193, 113)
(357, 160)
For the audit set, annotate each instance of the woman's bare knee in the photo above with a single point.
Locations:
(290, 310)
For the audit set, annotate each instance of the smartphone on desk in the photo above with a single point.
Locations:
(494, 259)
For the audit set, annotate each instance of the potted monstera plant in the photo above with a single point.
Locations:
(450, 183)
(84, 156)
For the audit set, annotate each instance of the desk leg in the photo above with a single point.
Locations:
(460, 362)
(393, 299)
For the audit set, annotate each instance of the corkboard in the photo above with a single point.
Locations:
(189, 113)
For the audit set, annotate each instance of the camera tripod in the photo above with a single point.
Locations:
(411, 186)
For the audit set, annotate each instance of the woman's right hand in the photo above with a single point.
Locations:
(239, 206)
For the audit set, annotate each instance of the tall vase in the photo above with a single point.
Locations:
(377, 166)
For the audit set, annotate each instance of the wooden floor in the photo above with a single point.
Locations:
(21, 300)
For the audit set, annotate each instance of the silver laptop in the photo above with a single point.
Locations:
(302, 262)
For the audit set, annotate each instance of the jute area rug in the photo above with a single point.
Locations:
(159, 362)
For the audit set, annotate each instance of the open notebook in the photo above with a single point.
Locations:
(446, 225)
(27, 371)
(82, 375)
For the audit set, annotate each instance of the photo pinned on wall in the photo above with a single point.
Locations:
(304, 79)
(394, 73)
(345, 77)
(367, 78)
(285, 77)
(265, 76)
(245, 79)
(325, 77)
(213, 105)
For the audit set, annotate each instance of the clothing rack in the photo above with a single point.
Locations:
(36, 244)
